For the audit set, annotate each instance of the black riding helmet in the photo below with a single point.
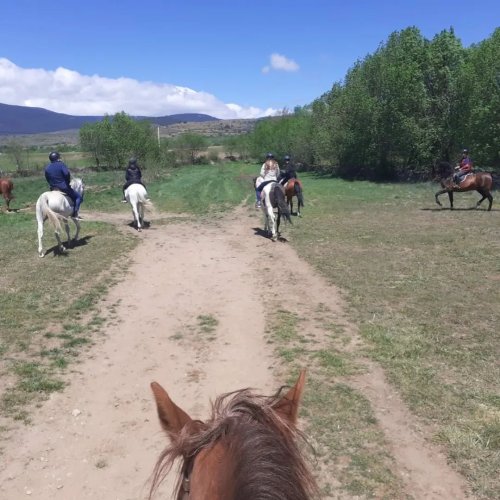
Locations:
(286, 158)
(54, 156)
(269, 155)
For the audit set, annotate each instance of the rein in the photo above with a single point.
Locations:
(186, 478)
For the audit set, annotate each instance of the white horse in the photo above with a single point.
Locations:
(137, 196)
(57, 206)
(274, 197)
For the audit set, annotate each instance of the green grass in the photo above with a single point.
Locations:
(36, 160)
(47, 303)
(421, 284)
(423, 288)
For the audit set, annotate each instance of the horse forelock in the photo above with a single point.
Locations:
(263, 447)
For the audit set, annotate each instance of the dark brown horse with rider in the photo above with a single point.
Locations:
(482, 182)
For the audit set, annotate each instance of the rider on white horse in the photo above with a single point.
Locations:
(59, 177)
(268, 173)
(133, 175)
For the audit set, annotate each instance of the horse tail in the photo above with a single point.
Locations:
(44, 211)
(283, 207)
(298, 193)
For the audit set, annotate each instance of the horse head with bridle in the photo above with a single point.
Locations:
(482, 182)
(247, 450)
(57, 207)
(6, 187)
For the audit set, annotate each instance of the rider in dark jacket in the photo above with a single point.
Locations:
(133, 175)
(288, 172)
(58, 177)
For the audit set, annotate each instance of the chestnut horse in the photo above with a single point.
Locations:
(482, 182)
(294, 188)
(247, 450)
(6, 188)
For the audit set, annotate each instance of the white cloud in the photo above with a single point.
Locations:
(69, 92)
(279, 62)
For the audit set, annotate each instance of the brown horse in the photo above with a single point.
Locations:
(6, 188)
(482, 182)
(294, 188)
(246, 451)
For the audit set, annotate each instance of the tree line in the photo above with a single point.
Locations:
(399, 110)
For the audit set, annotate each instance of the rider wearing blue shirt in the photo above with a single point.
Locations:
(58, 177)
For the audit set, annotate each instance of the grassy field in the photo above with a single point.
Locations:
(37, 160)
(422, 284)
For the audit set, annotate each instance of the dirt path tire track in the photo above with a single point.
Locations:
(100, 437)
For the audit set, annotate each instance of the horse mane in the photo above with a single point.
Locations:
(268, 462)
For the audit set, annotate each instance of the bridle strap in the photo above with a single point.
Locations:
(186, 479)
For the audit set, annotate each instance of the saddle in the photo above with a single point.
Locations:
(63, 193)
(464, 180)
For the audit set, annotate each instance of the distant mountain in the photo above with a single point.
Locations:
(25, 120)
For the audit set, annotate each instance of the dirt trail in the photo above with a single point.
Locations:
(100, 438)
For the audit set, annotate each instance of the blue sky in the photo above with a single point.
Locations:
(226, 58)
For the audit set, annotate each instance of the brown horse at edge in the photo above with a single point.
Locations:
(247, 449)
(294, 188)
(482, 182)
(6, 188)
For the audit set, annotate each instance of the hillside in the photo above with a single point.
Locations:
(16, 120)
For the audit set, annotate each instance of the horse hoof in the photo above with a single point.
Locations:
(41, 254)
(139, 230)
(274, 238)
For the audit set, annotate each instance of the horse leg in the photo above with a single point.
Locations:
(66, 228)
(439, 193)
(272, 219)
(77, 224)
(141, 213)
(485, 194)
(60, 246)
(136, 216)
(40, 236)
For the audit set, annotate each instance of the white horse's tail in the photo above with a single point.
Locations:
(43, 210)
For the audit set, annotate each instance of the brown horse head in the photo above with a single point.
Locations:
(246, 450)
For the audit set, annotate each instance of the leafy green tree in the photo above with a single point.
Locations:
(190, 145)
(115, 139)
(15, 151)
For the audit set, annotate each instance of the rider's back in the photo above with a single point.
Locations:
(57, 175)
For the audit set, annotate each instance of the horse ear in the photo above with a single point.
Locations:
(288, 405)
(172, 418)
